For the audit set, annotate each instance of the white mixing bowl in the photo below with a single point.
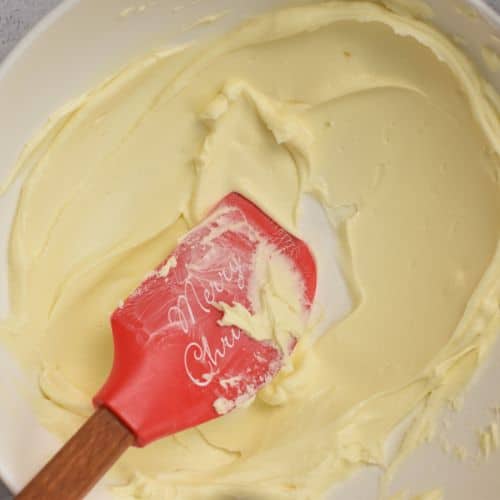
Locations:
(79, 44)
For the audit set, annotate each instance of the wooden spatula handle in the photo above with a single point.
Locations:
(82, 461)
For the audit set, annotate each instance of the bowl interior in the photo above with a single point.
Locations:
(62, 41)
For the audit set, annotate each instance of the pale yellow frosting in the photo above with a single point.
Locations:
(379, 116)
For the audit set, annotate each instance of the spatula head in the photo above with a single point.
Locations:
(174, 366)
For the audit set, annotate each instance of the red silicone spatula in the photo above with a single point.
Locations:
(174, 366)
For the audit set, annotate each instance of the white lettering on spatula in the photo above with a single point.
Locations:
(201, 353)
(199, 295)
(182, 313)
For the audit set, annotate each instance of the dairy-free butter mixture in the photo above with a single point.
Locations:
(378, 116)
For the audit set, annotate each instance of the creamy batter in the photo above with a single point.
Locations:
(377, 115)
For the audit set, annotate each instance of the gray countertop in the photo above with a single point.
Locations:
(17, 17)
